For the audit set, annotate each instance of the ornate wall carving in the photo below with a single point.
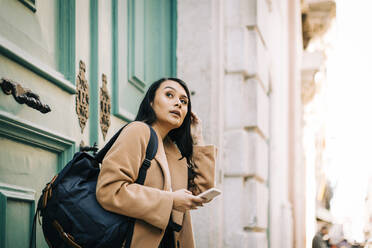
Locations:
(105, 107)
(82, 96)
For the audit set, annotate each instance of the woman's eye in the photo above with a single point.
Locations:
(183, 101)
(168, 94)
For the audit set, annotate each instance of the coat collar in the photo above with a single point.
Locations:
(161, 158)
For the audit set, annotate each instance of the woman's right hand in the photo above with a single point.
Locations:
(184, 200)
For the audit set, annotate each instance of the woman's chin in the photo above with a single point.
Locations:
(175, 123)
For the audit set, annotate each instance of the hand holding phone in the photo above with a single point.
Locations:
(209, 194)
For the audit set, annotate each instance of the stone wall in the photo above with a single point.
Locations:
(235, 55)
(246, 133)
(200, 63)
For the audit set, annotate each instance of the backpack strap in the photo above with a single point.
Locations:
(152, 148)
(102, 153)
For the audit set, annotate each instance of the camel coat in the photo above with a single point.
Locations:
(151, 203)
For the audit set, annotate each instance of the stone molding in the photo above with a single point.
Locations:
(316, 19)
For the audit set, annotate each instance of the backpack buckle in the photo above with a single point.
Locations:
(147, 163)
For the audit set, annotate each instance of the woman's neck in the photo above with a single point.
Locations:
(161, 130)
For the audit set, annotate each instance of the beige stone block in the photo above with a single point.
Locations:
(246, 154)
(256, 199)
(249, 12)
(258, 58)
(257, 240)
(237, 153)
(247, 105)
(236, 239)
(259, 101)
(245, 240)
(257, 13)
(259, 161)
(236, 101)
(206, 222)
(237, 57)
(233, 17)
(232, 195)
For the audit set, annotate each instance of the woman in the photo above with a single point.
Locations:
(162, 204)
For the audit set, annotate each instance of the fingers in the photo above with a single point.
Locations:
(197, 199)
(194, 118)
(195, 205)
(184, 200)
(187, 192)
(195, 202)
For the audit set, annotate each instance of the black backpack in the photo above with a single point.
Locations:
(71, 215)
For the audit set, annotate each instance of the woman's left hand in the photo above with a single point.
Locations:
(196, 130)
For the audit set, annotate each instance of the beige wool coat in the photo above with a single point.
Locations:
(151, 204)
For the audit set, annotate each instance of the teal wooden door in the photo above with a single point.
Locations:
(37, 51)
(34, 34)
(29, 157)
(150, 51)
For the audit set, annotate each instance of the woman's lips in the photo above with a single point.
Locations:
(176, 113)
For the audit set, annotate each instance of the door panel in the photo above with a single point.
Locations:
(151, 51)
(24, 171)
(25, 165)
(37, 51)
(18, 214)
(33, 32)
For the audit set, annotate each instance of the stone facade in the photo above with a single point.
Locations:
(239, 59)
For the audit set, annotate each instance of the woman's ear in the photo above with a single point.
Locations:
(151, 103)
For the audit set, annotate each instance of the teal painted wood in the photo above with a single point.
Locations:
(21, 57)
(151, 51)
(136, 46)
(2, 220)
(115, 83)
(93, 80)
(66, 38)
(20, 194)
(117, 88)
(14, 128)
(174, 38)
(21, 131)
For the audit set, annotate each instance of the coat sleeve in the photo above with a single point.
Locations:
(204, 158)
(116, 190)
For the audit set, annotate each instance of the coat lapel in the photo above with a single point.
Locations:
(162, 160)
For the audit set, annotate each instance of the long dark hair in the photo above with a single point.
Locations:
(182, 135)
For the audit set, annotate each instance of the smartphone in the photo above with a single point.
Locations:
(210, 193)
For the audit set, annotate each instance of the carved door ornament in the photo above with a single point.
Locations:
(105, 107)
(23, 95)
(82, 96)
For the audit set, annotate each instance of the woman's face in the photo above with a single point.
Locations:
(170, 104)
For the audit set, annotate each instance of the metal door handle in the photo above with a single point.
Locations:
(23, 95)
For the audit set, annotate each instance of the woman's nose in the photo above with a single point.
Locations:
(178, 103)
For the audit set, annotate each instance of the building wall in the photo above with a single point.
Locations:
(237, 58)
(200, 59)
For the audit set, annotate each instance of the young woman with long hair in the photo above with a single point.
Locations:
(182, 168)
